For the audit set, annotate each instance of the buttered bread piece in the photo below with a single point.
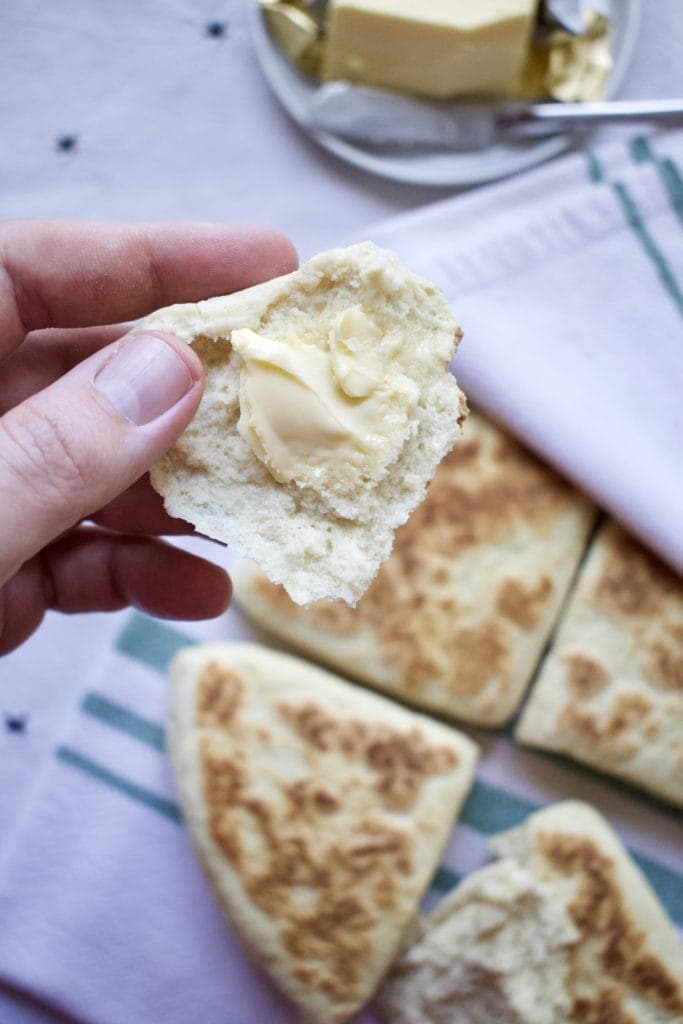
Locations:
(438, 48)
(328, 406)
(564, 929)
(460, 613)
(318, 810)
(610, 692)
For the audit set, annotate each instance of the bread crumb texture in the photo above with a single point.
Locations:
(494, 951)
(322, 424)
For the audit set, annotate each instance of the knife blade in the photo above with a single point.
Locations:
(389, 120)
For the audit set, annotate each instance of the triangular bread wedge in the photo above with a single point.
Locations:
(319, 812)
(328, 406)
(610, 692)
(563, 930)
(459, 615)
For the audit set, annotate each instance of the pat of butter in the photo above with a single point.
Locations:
(436, 48)
(325, 416)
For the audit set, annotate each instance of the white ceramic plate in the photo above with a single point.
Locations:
(439, 169)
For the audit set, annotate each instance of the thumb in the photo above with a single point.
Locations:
(71, 448)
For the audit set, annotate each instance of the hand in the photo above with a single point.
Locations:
(84, 412)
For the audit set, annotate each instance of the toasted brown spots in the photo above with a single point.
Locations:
(223, 780)
(330, 937)
(223, 783)
(633, 582)
(219, 696)
(487, 490)
(335, 937)
(586, 675)
(465, 509)
(648, 976)
(666, 659)
(408, 636)
(312, 723)
(599, 913)
(401, 760)
(308, 799)
(305, 975)
(616, 734)
(376, 841)
(222, 830)
(324, 888)
(523, 605)
(479, 654)
(606, 1008)
(644, 600)
(325, 802)
(440, 576)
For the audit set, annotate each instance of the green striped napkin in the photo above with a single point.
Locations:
(99, 883)
(568, 281)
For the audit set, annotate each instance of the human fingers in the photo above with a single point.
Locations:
(74, 274)
(45, 356)
(70, 449)
(92, 570)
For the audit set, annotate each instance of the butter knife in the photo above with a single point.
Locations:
(385, 119)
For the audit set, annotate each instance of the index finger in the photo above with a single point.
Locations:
(79, 273)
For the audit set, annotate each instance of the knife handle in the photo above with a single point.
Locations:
(524, 119)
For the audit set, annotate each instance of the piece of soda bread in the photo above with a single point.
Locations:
(328, 407)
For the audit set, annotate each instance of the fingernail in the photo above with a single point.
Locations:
(145, 378)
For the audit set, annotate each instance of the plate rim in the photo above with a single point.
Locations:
(274, 66)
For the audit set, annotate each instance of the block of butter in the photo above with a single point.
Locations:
(437, 48)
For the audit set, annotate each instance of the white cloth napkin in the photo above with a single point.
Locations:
(569, 290)
(568, 282)
(105, 915)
